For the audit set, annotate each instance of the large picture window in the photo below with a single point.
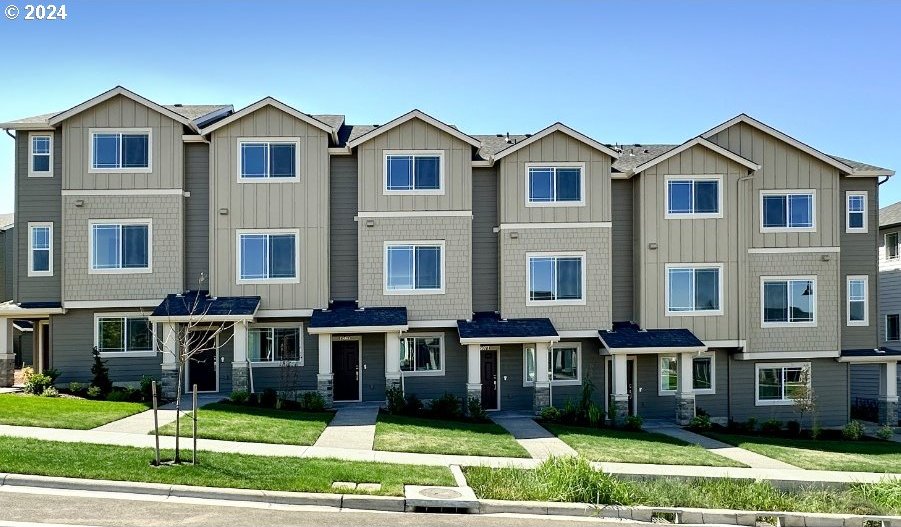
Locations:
(556, 278)
(788, 301)
(422, 354)
(777, 384)
(121, 246)
(787, 211)
(267, 256)
(555, 185)
(693, 197)
(414, 268)
(265, 160)
(120, 150)
(123, 334)
(275, 345)
(694, 289)
(414, 172)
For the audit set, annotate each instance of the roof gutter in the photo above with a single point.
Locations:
(9, 134)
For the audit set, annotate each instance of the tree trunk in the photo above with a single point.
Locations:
(178, 393)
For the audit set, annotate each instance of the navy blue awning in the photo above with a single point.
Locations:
(201, 304)
(628, 336)
(348, 317)
(882, 354)
(489, 327)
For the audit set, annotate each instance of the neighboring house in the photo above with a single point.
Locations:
(717, 274)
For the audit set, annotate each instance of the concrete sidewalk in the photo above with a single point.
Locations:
(142, 423)
(746, 457)
(353, 427)
(538, 442)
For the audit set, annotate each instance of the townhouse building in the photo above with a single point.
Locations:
(717, 275)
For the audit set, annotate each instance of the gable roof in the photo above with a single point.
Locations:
(865, 169)
(556, 127)
(890, 216)
(275, 103)
(115, 92)
(697, 141)
(413, 114)
(630, 337)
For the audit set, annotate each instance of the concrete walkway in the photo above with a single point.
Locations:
(751, 459)
(538, 442)
(142, 423)
(353, 427)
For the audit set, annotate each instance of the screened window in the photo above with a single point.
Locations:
(422, 354)
(124, 334)
(40, 257)
(788, 211)
(414, 267)
(412, 172)
(267, 256)
(556, 278)
(893, 327)
(701, 369)
(555, 185)
(693, 290)
(693, 197)
(41, 150)
(120, 150)
(564, 362)
(857, 301)
(274, 345)
(789, 301)
(856, 219)
(264, 160)
(891, 246)
(777, 384)
(120, 247)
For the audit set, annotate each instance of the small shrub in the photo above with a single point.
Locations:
(119, 396)
(239, 397)
(550, 414)
(633, 422)
(53, 373)
(412, 405)
(27, 372)
(700, 423)
(885, 432)
(146, 390)
(394, 400)
(474, 410)
(50, 391)
(37, 383)
(269, 398)
(94, 392)
(570, 413)
(101, 373)
(815, 430)
(448, 406)
(853, 431)
(312, 402)
(594, 415)
(771, 427)
(751, 425)
(77, 388)
(793, 427)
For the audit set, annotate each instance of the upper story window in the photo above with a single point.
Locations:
(556, 278)
(777, 384)
(893, 327)
(275, 345)
(694, 289)
(122, 246)
(858, 292)
(787, 210)
(555, 185)
(856, 212)
(414, 268)
(40, 253)
(564, 361)
(788, 302)
(891, 246)
(694, 197)
(267, 256)
(125, 150)
(268, 160)
(125, 334)
(414, 172)
(422, 354)
(40, 155)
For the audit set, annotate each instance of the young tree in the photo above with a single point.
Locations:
(803, 396)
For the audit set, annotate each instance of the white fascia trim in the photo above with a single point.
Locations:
(344, 330)
(793, 250)
(579, 334)
(549, 225)
(872, 173)
(10, 310)
(414, 114)
(740, 343)
(482, 163)
(750, 165)
(787, 355)
(871, 359)
(119, 90)
(202, 318)
(339, 151)
(415, 214)
(271, 101)
(509, 340)
(655, 351)
(126, 192)
(557, 127)
(284, 313)
(417, 324)
(101, 304)
(185, 138)
(40, 127)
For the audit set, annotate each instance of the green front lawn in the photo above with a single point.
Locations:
(230, 422)
(853, 456)
(604, 444)
(62, 412)
(432, 436)
(51, 458)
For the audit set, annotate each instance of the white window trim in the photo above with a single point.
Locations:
(557, 164)
(885, 246)
(274, 364)
(705, 391)
(887, 339)
(31, 171)
(426, 373)
(557, 382)
(269, 179)
(93, 131)
(788, 192)
(811, 324)
(696, 313)
(865, 212)
(414, 291)
(693, 215)
(413, 192)
(121, 222)
(556, 254)
(774, 365)
(866, 300)
(126, 315)
(31, 226)
(293, 280)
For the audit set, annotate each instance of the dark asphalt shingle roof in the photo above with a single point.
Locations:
(348, 314)
(194, 111)
(491, 325)
(333, 120)
(857, 165)
(199, 303)
(881, 352)
(627, 335)
(890, 215)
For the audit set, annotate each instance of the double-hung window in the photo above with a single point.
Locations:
(891, 246)
(275, 345)
(564, 361)
(556, 185)
(788, 301)
(556, 278)
(787, 211)
(893, 327)
(694, 289)
(858, 292)
(40, 249)
(422, 354)
(120, 150)
(856, 212)
(779, 384)
(121, 246)
(415, 172)
(702, 370)
(414, 268)
(268, 159)
(694, 197)
(40, 155)
(126, 334)
(268, 256)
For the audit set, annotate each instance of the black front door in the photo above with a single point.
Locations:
(489, 379)
(202, 362)
(346, 368)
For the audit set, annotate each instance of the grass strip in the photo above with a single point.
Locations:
(62, 412)
(432, 436)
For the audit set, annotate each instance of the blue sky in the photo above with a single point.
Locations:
(828, 73)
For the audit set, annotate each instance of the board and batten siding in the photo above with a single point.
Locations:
(197, 214)
(299, 205)
(415, 135)
(121, 112)
(343, 244)
(859, 256)
(485, 281)
(623, 275)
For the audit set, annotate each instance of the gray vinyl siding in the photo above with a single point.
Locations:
(197, 214)
(455, 369)
(485, 281)
(9, 263)
(373, 367)
(343, 243)
(302, 378)
(653, 405)
(592, 370)
(24, 348)
(830, 381)
(864, 381)
(859, 256)
(37, 199)
(621, 251)
(889, 290)
(513, 396)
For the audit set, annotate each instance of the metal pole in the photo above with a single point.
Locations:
(156, 423)
(194, 433)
